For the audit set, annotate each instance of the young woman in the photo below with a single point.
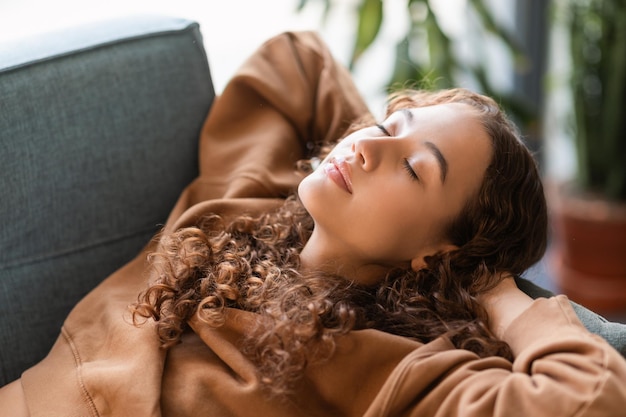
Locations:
(384, 288)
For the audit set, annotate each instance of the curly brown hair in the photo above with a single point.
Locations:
(252, 263)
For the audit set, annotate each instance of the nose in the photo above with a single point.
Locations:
(370, 152)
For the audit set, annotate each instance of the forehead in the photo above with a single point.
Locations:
(456, 129)
(452, 124)
(441, 115)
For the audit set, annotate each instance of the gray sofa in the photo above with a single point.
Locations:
(99, 128)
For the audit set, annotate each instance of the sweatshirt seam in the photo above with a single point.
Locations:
(587, 404)
(238, 176)
(271, 191)
(402, 369)
(78, 362)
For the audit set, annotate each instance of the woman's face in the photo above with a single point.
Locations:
(385, 193)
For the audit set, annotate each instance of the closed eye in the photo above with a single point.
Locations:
(405, 163)
(382, 128)
(410, 170)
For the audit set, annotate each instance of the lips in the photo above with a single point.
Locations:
(338, 171)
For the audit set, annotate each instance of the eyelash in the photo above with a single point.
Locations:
(406, 164)
(410, 170)
(382, 128)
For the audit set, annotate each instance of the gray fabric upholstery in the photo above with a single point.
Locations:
(614, 333)
(99, 129)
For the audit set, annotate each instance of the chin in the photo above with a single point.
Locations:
(307, 188)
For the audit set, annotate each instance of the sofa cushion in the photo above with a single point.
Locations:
(98, 136)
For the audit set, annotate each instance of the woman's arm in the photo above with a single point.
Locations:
(556, 359)
(504, 303)
(559, 368)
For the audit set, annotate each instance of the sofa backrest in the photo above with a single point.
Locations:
(99, 130)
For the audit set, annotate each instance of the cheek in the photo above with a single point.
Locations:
(404, 225)
(386, 224)
(394, 204)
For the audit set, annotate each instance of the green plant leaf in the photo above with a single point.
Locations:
(407, 73)
(614, 103)
(442, 59)
(301, 5)
(405, 70)
(370, 17)
(327, 6)
(489, 24)
(514, 106)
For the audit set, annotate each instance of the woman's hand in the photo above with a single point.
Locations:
(504, 303)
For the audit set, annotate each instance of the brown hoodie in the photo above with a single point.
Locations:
(287, 96)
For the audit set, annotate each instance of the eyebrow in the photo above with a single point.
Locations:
(443, 163)
(407, 113)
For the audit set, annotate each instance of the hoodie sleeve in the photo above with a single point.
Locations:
(560, 369)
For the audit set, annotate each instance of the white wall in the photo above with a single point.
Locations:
(232, 29)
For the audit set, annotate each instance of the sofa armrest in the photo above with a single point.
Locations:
(99, 130)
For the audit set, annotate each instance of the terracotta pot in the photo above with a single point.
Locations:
(588, 251)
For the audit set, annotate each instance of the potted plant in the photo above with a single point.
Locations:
(589, 213)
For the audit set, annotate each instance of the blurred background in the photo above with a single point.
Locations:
(558, 67)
